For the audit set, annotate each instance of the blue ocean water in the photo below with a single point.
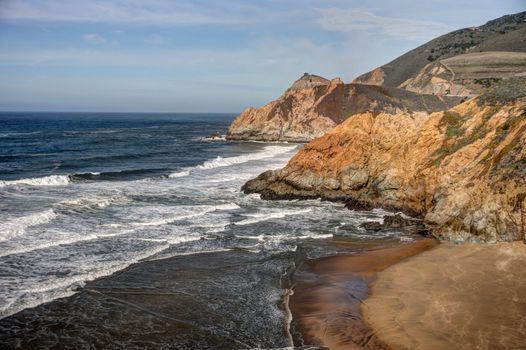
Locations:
(122, 146)
(84, 195)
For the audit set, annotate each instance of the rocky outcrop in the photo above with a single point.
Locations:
(507, 33)
(314, 105)
(461, 170)
(298, 115)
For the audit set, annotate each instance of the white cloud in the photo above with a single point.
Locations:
(353, 20)
(93, 38)
(130, 11)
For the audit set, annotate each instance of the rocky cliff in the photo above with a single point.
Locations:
(314, 105)
(461, 170)
(507, 33)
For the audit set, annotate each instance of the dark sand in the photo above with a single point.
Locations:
(466, 296)
(329, 292)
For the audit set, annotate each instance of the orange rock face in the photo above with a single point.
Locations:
(462, 170)
(313, 106)
(298, 115)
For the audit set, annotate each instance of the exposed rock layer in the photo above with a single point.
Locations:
(462, 170)
(313, 106)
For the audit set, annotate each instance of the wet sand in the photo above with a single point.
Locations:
(464, 296)
(329, 292)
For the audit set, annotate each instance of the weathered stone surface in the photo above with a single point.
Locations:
(314, 105)
(296, 116)
(462, 170)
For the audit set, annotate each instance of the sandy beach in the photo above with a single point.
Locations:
(329, 292)
(466, 296)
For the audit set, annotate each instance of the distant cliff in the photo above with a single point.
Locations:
(314, 105)
(462, 170)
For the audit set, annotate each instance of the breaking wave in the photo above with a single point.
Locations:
(52, 180)
(267, 152)
(254, 218)
(200, 210)
(17, 226)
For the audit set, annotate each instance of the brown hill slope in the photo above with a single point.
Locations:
(467, 75)
(507, 33)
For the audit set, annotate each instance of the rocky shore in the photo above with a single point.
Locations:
(461, 170)
(438, 134)
(441, 138)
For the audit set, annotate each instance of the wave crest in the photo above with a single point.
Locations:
(255, 218)
(52, 180)
(267, 152)
(17, 226)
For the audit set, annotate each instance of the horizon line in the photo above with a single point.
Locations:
(113, 112)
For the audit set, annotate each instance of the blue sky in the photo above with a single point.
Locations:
(205, 55)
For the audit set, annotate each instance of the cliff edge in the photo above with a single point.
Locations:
(461, 170)
(314, 105)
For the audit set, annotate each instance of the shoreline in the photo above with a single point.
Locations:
(328, 294)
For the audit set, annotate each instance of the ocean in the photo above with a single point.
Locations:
(133, 228)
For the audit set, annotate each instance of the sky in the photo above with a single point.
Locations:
(205, 55)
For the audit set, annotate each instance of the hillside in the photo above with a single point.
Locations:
(468, 74)
(507, 33)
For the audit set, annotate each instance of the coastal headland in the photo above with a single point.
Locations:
(438, 134)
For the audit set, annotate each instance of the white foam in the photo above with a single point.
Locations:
(12, 134)
(95, 202)
(218, 162)
(195, 211)
(214, 138)
(17, 226)
(52, 180)
(269, 216)
(179, 174)
(227, 178)
(267, 152)
(47, 245)
(167, 254)
(62, 287)
(284, 237)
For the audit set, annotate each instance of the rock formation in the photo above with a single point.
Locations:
(314, 105)
(404, 142)
(462, 170)
(296, 116)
